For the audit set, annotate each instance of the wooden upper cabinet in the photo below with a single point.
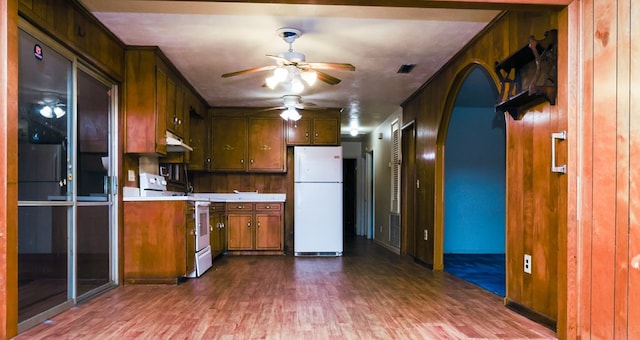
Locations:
(317, 128)
(170, 114)
(228, 143)
(154, 100)
(68, 21)
(145, 102)
(199, 140)
(176, 113)
(299, 132)
(326, 131)
(267, 148)
(198, 128)
(246, 142)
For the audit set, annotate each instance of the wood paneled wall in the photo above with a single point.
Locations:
(609, 199)
(9, 166)
(536, 198)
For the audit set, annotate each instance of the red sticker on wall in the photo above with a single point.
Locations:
(37, 52)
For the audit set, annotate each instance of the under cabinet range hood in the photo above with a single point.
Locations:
(175, 144)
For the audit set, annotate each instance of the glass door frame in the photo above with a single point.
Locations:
(111, 185)
(113, 197)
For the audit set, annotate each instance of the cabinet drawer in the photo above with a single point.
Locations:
(217, 207)
(239, 206)
(269, 206)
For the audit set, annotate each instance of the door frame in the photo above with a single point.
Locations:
(409, 186)
(443, 129)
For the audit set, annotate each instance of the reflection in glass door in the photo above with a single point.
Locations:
(94, 180)
(44, 166)
(66, 173)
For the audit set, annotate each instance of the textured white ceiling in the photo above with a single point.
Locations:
(206, 39)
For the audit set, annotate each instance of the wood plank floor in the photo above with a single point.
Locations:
(369, 293)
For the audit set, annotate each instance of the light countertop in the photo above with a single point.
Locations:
(213, 197)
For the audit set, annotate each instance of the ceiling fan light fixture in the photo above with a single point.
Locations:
(51, 111)
(309, 77)
(46, 111)
(290, 114)
(272, 82)
(294, 115)
(285, 115)
(281, 74)
(296, 85)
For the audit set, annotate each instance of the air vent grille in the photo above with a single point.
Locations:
(406, 68)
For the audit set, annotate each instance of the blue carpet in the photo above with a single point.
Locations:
(484, 270)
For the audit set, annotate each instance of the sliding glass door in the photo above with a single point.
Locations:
(65, 179)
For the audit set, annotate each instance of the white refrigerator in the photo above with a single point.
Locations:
(317, 223)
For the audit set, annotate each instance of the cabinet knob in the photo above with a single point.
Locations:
(268, 207)
(242, 161)
(248, 224)
(258, 224)
(251, 161)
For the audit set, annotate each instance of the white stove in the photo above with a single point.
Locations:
(155, 186)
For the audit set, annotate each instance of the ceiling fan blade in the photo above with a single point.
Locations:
(273, 108)
(331, 80)
(282, 60)
(332, 66)
(251, 70)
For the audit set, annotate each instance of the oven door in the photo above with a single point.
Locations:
(202, 225)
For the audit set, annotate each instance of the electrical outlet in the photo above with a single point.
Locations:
(426, 234)
(527, 263)
(380, 228)
(132, 175)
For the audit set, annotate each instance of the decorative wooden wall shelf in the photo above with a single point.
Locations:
(528, 76)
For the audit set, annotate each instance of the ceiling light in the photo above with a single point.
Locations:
(50, 111)
(309, 77)
(290, 114)
(46, 112)
(281, 74)
(296, 85)
(354, 127)
(293, 77)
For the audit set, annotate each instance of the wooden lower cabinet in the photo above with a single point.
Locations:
(255, 227)
(159, 242)
(218, 230)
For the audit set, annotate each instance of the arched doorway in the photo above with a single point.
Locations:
(474, 185)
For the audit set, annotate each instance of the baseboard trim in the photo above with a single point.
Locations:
(422, 263)
(531, 314)
(388, 247)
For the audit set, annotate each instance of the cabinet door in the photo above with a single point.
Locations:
(199, 141)
(190, 237)
(268, 231)
(228, 143)
(267, 146)
(180, 117)
(239, 232)
(326, 131)
(217, 237)
(171, 105)
(298, 132)
(161, 110)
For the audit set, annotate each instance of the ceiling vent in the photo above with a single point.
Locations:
(406, 68)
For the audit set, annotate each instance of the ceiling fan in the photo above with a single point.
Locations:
(292, 66)
(291, 105)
